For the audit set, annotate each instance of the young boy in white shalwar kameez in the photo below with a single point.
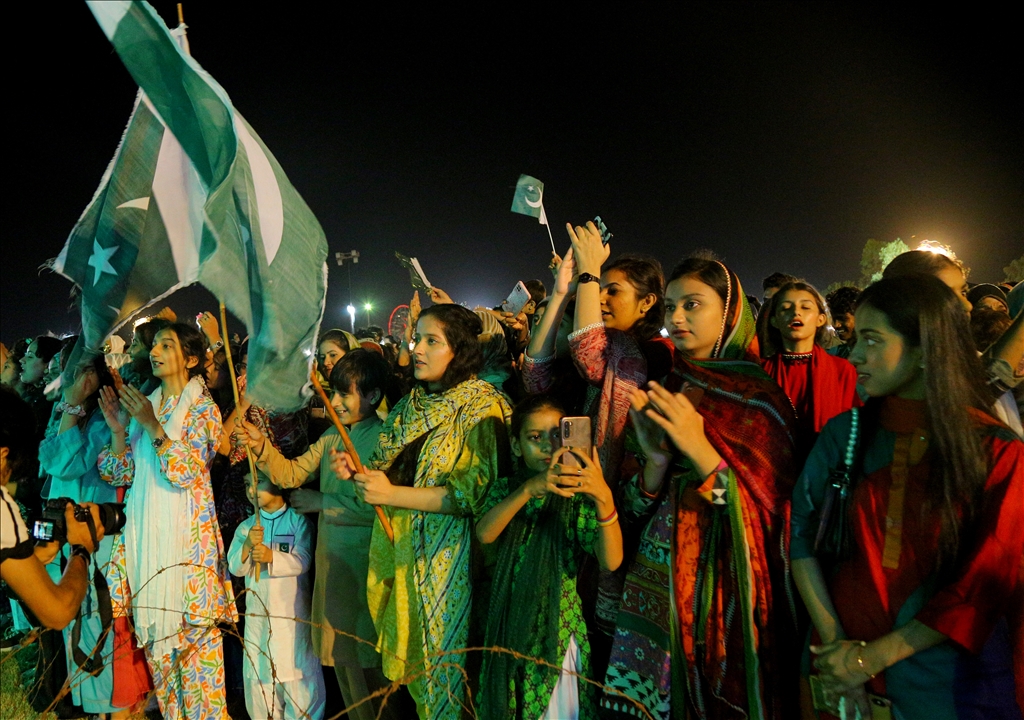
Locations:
(282, 674)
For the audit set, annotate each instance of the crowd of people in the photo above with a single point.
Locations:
(643, 495)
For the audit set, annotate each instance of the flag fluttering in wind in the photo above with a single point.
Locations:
(192, 194)
(529, 200)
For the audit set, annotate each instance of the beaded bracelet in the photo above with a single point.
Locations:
(610, 520)
(70, 409)
(860, 661)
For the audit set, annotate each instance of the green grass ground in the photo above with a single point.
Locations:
(13, 704)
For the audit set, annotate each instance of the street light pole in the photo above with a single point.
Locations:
(368, 307)
(349, 259)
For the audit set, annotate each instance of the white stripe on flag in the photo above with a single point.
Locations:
(269, 207)
(180, 197)
(109, 14)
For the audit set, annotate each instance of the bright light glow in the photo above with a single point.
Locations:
(351, 310)
(139, 321)
(367, 307)
(936, 247)
(307, 352)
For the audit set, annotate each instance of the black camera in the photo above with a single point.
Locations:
(52, 526)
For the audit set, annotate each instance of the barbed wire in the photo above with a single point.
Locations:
(252, 650)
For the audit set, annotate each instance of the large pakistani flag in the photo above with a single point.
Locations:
(192, 194)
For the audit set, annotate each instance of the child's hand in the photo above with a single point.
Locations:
(547, 482)
(649, 434)
(588, 479)
(262, 554)
(255, 536)
(306, 501)
(342, 465)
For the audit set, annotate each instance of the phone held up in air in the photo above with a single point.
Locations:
(517, 299)
(574, 433)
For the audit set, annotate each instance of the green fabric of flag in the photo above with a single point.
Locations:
(193, 194)
(529, 198)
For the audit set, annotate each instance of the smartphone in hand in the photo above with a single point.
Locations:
(517, 299)
(575, 434)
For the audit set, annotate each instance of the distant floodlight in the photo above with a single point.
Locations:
(937, 248)
(368, 307)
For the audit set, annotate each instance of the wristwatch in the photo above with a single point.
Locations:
(587, 277)
(158, 442)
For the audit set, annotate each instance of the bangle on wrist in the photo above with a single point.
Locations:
(610, 520)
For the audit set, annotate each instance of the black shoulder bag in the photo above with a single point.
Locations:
(833, 543)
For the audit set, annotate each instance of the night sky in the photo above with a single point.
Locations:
(781, 136)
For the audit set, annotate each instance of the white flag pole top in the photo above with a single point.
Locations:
(419, 270)
(544, 222)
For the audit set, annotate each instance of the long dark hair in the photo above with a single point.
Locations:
(928, 315)
(461, 327)
(644, 273)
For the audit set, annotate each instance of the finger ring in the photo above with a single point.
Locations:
(579, 484)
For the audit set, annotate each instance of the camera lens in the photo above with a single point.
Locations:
(112, 517)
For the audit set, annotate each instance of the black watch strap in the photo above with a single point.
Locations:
(588, 277)
(82, 552)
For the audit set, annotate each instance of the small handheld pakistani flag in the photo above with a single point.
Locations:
(529, 200)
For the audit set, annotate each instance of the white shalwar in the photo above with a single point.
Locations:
(282, 675)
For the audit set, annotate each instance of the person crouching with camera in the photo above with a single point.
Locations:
(22, 560)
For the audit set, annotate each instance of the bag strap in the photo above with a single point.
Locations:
(93, 663)
(851, 444)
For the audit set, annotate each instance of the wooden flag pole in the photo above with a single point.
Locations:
(238, 417)
(351, 450)
(181, 15)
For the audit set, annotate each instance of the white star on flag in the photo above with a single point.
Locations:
(100, 259)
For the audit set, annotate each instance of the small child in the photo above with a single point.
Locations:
(343, 635)
(549, 516)
(282, 674)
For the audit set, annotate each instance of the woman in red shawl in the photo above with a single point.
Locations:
(819, 385)
(703, 616)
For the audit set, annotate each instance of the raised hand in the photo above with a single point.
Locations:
(588, 479)
(678, 417)
(651, 436)
(440, 297)
(110, 406)
(548, 481)
(248, 435)
(207, 322)
(140, 408)
(86, 383)
(342, 465)
(566, 274)
(591, 253)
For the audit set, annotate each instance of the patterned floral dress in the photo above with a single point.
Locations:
(190, 679)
